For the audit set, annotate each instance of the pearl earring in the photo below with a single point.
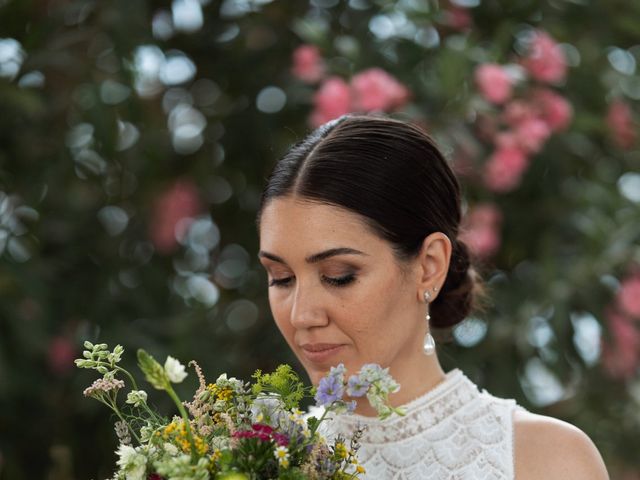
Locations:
(429, 346)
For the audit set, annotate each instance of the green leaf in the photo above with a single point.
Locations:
(284, 382)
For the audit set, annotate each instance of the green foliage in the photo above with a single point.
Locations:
(284, 382)
(88, 145)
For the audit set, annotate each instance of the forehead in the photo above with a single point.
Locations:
(291, 222)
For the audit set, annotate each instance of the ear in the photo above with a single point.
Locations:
(434, 258)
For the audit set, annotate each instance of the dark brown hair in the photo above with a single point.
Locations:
(393, 175)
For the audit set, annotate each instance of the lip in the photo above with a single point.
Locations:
(320, 352)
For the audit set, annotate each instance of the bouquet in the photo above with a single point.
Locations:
(232, 429)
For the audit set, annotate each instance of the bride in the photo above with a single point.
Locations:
(358, 233)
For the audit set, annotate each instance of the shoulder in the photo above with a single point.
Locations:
(548, 448)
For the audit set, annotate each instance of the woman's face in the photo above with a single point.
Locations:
(336, 291)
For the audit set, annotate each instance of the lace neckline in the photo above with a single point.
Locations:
(423, 414)
(454, 430)
(452, 380)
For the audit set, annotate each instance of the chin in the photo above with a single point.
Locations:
(316, 372)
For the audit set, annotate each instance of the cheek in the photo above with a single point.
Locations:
(280, 313)
(379, 316)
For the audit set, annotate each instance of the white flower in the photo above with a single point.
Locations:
(233, 383)
(137, 397)
(170, 449)
(282, 455)
(269, 407)
(174, 370)
(132, 463)
(146, 432)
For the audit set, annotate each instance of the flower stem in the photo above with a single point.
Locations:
(115, 409)
(324, 414)
(169, 389)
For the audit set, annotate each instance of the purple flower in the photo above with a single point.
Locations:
(330, 389)
(338, 372)
(357, 387)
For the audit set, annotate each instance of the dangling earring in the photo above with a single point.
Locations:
(429, 347)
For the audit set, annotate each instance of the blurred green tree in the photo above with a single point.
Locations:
(135, 138)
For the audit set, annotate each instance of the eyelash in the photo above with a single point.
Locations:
(336, 282)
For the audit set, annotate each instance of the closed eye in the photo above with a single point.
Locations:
(333, 281)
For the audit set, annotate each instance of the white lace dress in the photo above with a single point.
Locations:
(452, 432)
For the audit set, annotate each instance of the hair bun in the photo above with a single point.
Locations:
(460, 292)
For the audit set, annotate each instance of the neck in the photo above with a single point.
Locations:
(416, 375)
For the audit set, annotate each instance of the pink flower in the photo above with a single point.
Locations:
(555, 110)
(493, 82)
(332, 100)
(532, 134)
(374, 89)
(620, 358)
(517, 111)
(504, 169)
(620, 124)
(172, 212)
(628, 297)
(60, 355)
(481, 229)
(546, 61)
(308, 65)
(506, 139)
(264, 433)
(458, 17)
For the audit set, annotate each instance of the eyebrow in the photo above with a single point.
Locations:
(316, 257)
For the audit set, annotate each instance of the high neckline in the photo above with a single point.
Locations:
(454, 430)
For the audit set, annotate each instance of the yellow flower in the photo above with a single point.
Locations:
(224, 394)
(215, 456)
(341, 450)
(360, 469)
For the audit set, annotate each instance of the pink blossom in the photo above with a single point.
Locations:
(504, 169)
(545, 61)
(620, 124)
(60, 355)
(308, 65)
(506, 139)
(620, 358)
(493, 82)
(264, 433)
(517, 111)
(374, 89)
(177, 203)
(532, 134)
(332, 100)
(555, 110)
(458, 17)
(628, 297)
(481, 229)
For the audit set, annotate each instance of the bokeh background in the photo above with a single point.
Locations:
(136, 135)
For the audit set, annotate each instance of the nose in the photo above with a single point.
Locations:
(308, 310)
